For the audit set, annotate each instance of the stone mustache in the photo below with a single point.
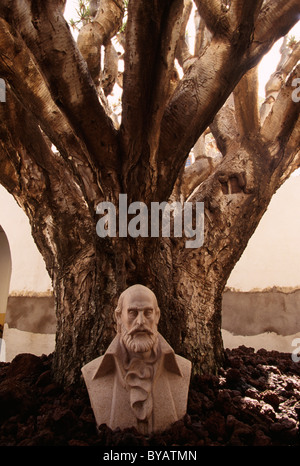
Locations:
(139, 382)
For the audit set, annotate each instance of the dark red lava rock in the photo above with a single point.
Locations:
(254, 401)
(272, 398)
(15, 398)
(23, 366)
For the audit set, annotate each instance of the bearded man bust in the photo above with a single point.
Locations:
(139, 382)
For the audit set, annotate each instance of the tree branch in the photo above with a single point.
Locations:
(21, 133)
(147, 76)
(198, 97)
(224, 127)
(67, 78)
(106, 23)
(196, 173)
(8, 172)
(288, 61)
(110, 70)
(182, 50)
(292, 146)
(281, 121)
(17, 66)
(214, 15)
(203, 35)
(254, 167)
(246, 103)
(293, 156)
(205, 88)
(54, 208)
(232, 18)
(243, 16)
(40, 171)
(28, 182)
(274, 21)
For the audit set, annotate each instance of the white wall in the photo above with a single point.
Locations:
(28, 267)
(272, 257)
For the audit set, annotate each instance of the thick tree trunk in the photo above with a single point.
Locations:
(198, 333)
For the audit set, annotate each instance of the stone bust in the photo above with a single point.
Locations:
(139, 382)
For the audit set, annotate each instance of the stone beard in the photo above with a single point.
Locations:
(139, 382)
(139, 373)
(138, 340)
